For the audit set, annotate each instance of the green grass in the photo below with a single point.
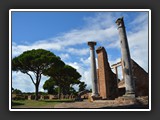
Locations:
(37, 104)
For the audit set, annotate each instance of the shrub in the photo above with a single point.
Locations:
(19, 97)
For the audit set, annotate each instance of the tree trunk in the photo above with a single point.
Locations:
(59, 92)
(36, 92)
(38, 77)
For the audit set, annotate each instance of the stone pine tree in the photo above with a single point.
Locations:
(34, 63)
(50, 85)
(65, 78)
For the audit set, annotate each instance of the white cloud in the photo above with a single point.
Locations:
(19, 49)
(142, 18)
(64, 56)
(84, 71)
(82, 51)
(119, 68)
(75, 37)
(24, 83)
(139, 47)
(86, 61)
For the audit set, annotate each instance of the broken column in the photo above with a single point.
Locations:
(126, 60)
(93, 69)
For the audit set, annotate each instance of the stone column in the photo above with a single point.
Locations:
(122, 69)
(93, 69)
(126, 60)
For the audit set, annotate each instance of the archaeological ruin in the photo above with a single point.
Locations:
(105, 82)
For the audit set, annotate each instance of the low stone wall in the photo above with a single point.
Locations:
(51, 97)
(41, 97)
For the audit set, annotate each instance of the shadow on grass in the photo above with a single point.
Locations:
(67, 101)
(17, 103)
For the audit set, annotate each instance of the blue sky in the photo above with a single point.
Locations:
(66, 34)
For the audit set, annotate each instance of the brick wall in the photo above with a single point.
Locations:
(141, 78)
(107, 82)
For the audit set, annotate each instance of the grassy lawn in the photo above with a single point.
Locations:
(37, 104)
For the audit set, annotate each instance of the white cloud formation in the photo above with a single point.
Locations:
(19, 49)
(24, 83)
(86, 61)
(64, 56)
(74, 51)
(95, 31)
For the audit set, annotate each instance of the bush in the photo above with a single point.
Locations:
(19, 97)
(32, 97)
(46, 97)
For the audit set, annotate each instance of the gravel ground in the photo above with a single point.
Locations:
(139, 103)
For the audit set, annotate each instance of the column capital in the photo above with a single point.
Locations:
(120, 22)
(92, 44)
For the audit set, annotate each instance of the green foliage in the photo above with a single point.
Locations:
(17, 91)
(42, 93)
(38, 62)
(73, 91)
(49, 85)
(82, 86)
(19, 97)
(65, 78)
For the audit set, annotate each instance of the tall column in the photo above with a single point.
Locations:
(122, 70)
(93, 69)
(129, 83)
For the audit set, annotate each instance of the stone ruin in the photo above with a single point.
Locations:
(108, 84)
(105, 84)
(107, 80)
(140, 77)
(41, 97)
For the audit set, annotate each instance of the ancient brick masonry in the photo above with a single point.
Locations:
(141, 80)
(106, 78)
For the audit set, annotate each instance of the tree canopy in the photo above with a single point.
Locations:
(82, 86)
(36, 61)
(17, 91)
(65, 78)
(50, 85)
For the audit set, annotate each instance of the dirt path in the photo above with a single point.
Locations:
(105, 104)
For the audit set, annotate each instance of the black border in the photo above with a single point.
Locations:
(59, 4)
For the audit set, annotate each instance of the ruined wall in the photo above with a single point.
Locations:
(141, 79)
(106, 78)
